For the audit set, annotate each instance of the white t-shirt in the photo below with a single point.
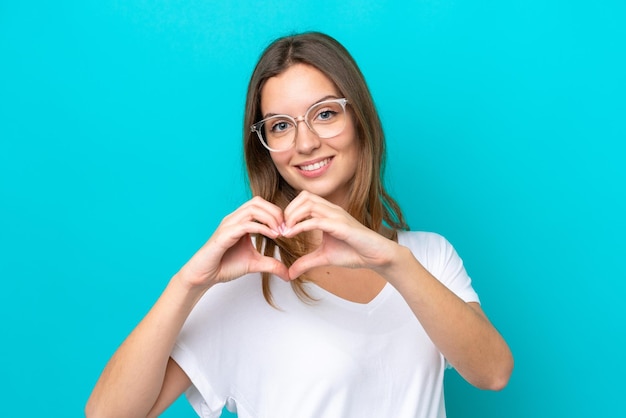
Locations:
(328, 358)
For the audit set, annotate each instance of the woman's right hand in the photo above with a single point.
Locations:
(230, 253)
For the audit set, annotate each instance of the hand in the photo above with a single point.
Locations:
(230, 254)
(345, 242)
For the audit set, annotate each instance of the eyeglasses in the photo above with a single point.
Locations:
(326, 119)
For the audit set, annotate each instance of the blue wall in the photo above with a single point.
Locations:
(120, 152)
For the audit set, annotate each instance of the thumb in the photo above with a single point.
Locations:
(306, 263)
(272, 266)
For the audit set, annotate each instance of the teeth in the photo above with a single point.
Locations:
(315, 166)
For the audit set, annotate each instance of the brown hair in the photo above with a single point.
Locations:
(369, 202)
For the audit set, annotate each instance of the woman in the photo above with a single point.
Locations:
(311, 299)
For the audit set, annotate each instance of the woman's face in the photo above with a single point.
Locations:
(323, 166)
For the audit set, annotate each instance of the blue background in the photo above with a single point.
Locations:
(120, 126)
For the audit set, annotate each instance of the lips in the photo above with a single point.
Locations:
(314, 166)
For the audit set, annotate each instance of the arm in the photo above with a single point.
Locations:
(175, 383)
(460, 330)
(136, 374)
(141, 379)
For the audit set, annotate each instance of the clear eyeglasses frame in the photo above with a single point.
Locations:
(326, 119)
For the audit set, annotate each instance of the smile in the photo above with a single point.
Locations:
(314, 166)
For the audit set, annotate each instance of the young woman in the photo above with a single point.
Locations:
(311, 299)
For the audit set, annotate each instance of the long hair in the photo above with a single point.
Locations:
(369, 202)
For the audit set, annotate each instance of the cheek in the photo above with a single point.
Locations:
(351, 144)
(276, 159)
(351, 133)
(280, 162)
(353, 154)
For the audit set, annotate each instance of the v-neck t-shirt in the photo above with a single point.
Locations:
(329, 357)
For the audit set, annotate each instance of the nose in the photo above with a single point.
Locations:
(306, 140)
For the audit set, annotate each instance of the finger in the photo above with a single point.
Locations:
(309, 224)
(307, 205)
(228, 236)
(262, 212)
(270, 265)
(257, 210)
(271, 208)
(338, 227)
(258, 228)
(306, 263)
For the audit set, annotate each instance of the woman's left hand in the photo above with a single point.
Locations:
(345, 242)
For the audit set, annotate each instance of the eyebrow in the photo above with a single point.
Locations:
(327, 97)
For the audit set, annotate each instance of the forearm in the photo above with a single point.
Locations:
(460, 330)
(132, 380)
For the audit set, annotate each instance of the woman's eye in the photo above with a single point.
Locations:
(280, 126)
(326, 115)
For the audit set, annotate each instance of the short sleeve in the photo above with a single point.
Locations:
(198, 350)
(440, 258)
(200, 394)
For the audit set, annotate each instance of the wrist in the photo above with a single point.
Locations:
(395, 263)
(185, 285)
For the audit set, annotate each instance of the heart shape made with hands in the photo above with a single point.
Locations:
(336, 238)
(327, 250)
(360, 282)
(301, 264)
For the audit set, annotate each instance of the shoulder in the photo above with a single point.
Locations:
(440, 258)
(435, 253)
(425, 245)
(220, 303)
(238, 304)
(420, 237)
